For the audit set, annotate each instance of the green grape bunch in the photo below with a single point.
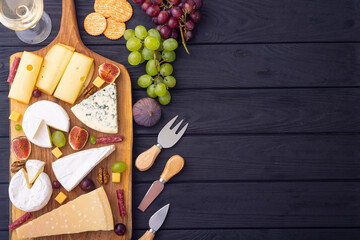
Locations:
(159, 53)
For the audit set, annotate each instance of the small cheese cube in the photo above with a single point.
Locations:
(61, 197)
(57, 153)
(116, 177)
(98, 82)
(15, 116)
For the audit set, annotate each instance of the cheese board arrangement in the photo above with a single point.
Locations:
(71, 141)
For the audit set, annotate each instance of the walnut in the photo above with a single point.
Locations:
(103, 176)
(89, 91)
(17, 165)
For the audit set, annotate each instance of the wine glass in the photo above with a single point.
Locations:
(27, 17)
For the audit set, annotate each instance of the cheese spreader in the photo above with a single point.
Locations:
(166, 139)
(155, 222)
(173, 167)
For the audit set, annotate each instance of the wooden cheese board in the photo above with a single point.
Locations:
(69, 35)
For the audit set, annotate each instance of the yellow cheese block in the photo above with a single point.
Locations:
(61, 197)
(74, 77)
(68, 47)
(57, 152)
(89, 212)
(15, 116)
(53, 67)
(25, 78)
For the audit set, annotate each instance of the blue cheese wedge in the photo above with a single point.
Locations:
(99, 111)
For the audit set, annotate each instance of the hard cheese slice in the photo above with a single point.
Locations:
(25, 78)
(89, 212)
(74, 77)
(53, 67)
(99, 111)
(71, 169)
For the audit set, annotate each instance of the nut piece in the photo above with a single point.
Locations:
(17, 165)
(89, 91)
(103, 176)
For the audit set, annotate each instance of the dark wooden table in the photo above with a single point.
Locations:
(271, 91)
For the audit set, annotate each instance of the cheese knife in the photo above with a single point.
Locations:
(166, 139)
(173, 167)
(155, 222)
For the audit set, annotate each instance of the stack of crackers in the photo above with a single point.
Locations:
(109, 18)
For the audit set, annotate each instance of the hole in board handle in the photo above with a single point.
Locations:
(82, 78)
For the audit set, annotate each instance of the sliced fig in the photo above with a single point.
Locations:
(78, 138)
(21, 147)
(109, 72)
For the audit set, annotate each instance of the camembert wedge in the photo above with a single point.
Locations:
(89, 212)
(99, 111)
(71, 169)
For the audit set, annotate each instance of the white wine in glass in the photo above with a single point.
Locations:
(27, 17)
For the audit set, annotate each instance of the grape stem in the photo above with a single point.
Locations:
(182, 37)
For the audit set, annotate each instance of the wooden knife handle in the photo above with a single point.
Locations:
(147, 236)
(146, 159)
(173, 167)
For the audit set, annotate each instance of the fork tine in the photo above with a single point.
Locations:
(170, 123)
(182, 131)
(177, 126)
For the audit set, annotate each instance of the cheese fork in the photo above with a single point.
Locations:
(166, 139)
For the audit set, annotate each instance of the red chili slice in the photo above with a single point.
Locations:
(18, 222)
(113, 139)
(13, 69)
(121, 202)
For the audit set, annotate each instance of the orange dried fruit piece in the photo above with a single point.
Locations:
(114, 29)
(95, 24)
(121, 11)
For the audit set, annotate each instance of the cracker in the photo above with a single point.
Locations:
(95, 24)
(121, 10)
(114, 29)
(103, 7)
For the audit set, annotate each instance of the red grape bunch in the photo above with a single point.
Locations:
(173, 17)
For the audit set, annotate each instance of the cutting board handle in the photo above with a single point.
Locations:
(69, 31)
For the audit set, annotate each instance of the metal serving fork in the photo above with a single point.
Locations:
(166, 139)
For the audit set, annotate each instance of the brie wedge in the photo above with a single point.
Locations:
(34, 168)
(39, 117)
(99, 111)
(34, 198)
(71, 169)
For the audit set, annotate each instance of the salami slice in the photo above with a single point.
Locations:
(121, 202)
(113, 139)
(13, 69)
(18, 222)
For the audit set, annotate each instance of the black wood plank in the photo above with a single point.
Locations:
(4, 207)
(253, 111)
(253, 205)
(244, 66)
(259, 157)
(238, 21)
(248, 158)
(255, 234)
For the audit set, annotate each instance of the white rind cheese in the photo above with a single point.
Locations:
(47, 114)
(30, 199)
(99, 111)
(71, 169)
(34, 168)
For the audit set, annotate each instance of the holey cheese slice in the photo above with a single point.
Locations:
(39, 117)
(33, 198)
(25, 78)
(89, 212)
(74, 78)
(99, 111)
(53, 67)
(71, 169)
